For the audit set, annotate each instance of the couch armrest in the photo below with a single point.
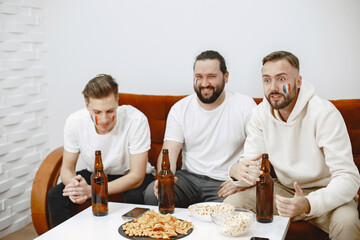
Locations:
(46, 177)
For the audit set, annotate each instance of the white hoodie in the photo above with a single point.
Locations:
(312, 148)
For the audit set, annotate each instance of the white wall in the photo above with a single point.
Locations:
(23, 108)
(149, 46)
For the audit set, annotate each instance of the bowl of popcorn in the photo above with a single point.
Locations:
(235, 223)
(203, 211)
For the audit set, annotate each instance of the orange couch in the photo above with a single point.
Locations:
(156, 109)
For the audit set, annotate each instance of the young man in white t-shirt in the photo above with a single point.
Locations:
(121, 133)
(210, 129)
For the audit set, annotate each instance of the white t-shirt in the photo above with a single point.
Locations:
(131, 135)
(212, 140)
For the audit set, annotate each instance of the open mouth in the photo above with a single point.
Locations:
(207, 90)
(276, 97)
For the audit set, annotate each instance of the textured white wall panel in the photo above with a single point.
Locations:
(15, 190)
(36, 37)
(11, 82)
(10, 119)
(21, 206)
(8, 9)
(23, 108)
(13, 46)
(7, 220)
(15, 64)
(20, 171)
(2, 205)
(4, 185)
(32, 157)
(16, 27)
(4, 148)
(17, 100)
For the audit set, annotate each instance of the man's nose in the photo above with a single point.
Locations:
(103, 117)
(274, 86)
(204, 82)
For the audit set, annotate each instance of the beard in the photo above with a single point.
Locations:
(288, 98)
(217, 90)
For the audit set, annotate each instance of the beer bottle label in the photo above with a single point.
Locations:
(99, 180)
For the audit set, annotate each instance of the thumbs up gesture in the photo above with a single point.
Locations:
(291, 207)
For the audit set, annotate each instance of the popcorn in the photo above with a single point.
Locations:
(235, 225)
(207, 209)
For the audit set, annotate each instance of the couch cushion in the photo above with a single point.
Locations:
(350, 111)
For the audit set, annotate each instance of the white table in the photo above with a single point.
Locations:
(86, 226)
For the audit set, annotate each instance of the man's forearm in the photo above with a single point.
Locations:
(124, 183)
(67, 172)
(172, 159)
(67, 176)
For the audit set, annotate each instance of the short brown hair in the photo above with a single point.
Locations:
(278, 55)
(100, 86)
(210, 54)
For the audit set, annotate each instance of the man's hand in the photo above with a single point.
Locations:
(227, 188)
(292, 207)
(156, 187)
(77, 190)
(243, 170)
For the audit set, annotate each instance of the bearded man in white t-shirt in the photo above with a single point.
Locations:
(122, 134)
(209, 127)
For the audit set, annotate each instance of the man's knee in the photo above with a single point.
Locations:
(55, 193)
(345, 223)
(347, 228)
(235, 200)
(149, 196)
(243, 199)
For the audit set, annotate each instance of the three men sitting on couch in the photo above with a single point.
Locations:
(221, 135)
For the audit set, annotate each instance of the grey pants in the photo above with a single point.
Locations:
(189, 189)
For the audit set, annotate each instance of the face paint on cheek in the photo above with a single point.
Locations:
(287, 88)
(196, 80)
(113, 118)
(96, 120)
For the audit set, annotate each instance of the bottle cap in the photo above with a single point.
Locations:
(97, 152)
(165, 151)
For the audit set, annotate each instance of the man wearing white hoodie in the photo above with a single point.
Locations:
(309, 148)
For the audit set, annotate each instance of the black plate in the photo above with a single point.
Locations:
(122, 233)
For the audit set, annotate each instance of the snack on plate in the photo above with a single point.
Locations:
(207, 209)
(157, 225)
(235, 225)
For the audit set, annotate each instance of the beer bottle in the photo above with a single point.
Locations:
(166, 185)
(99, 187)
(265, 193)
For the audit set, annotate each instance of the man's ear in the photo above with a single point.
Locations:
(87, 103)
(226, 77)
(299, 81)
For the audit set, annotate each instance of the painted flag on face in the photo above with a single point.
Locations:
(286, 88)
